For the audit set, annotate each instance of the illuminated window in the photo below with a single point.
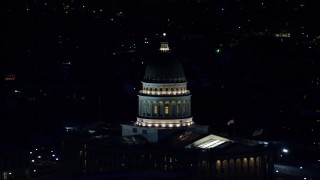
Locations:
(155, 109)
(166, 109)
(10, 77)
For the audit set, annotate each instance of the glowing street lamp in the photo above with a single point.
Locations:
(284, 150)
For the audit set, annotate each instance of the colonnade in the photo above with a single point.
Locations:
(165, 108)
(240, 168)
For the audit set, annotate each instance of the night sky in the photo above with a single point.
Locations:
(254, 62)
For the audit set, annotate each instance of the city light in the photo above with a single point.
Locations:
(284, 150)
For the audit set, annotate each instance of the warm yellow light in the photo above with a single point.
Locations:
(166, 110)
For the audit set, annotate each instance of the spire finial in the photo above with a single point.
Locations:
(164, 47)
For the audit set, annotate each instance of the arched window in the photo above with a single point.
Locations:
(166, 109)
(155, 109)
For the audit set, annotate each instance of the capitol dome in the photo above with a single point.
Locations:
(164, 68)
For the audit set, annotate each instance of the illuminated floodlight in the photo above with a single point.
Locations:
(164, 34)
(284, 150)
(57, 159)
(32, 160)
(301, 167)
(277, 171)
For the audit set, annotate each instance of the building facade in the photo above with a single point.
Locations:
(164, 137)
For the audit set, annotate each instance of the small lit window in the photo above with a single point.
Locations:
(166, 109)
(155, 109)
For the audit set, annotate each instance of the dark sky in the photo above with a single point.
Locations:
(67, 54)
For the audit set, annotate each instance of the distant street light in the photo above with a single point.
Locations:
(284, 150)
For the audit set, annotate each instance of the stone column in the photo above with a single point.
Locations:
(139, 107)
(157, 105)
(151, 108)
(188, 108)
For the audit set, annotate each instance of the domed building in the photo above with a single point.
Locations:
(164, 138)
(164, 100)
